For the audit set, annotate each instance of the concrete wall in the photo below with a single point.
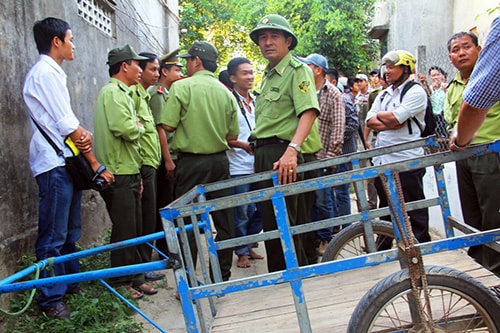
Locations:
(86, 75)
(430, 23)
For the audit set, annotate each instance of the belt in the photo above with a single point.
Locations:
(270, 141)
(181, 155)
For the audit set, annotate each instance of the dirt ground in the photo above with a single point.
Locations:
(166, 311)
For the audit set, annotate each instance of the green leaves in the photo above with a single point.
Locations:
(335, 28)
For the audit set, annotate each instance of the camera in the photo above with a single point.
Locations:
(100, 184)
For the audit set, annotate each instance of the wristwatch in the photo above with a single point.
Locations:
(295, 146)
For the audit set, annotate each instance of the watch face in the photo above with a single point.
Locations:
(295, 146)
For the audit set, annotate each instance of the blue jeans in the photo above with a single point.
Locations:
(59, 227)
(323, 208)
(342, 196)
(247, 219)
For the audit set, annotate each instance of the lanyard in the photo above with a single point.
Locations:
(242, 108)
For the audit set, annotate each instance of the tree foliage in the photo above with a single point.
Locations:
(335, 28)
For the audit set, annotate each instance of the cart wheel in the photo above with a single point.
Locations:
(351, 242)
(459, 303)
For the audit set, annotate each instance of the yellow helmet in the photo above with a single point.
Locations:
(400, 58)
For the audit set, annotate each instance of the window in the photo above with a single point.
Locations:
(99, 13)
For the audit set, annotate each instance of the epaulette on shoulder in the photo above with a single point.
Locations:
(122, 87)
(295, 63)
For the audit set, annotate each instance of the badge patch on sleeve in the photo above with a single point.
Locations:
(304, 86)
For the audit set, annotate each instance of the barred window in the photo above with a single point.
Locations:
(99, 13)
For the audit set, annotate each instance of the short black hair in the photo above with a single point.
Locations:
(224, 78)
(351, 80)
(334, 72)
(233, 64)
(151, 57)
(461, 34)
(209, 65)
(45, 30)
(439, 69)
(114, 69)
(374, 72)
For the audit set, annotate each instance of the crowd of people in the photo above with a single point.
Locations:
(159, 133)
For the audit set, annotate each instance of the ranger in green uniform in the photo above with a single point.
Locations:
(117, 132)
(203, 114)
(170, 71)
(150, 152)
(285, 111)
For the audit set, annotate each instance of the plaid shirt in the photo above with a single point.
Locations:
(331, 121)
(483, 88)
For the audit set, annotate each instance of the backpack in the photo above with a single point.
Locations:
(429, 118)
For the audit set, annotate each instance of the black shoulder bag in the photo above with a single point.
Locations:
(77, 166)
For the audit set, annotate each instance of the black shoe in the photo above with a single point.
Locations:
(153, 276)
(60, 311)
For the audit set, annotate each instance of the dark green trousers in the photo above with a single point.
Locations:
(194, 169)
(265, 156)
(124, 208)
(148, 205)
(306, 202)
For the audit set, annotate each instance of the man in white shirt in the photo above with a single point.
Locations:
(395, 120)
(247, 218)
(47, 97)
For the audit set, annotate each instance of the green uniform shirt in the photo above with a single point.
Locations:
(286, 91)
(312, 143)
(453, 100)
(159, 94)
(150, 142)
(116, 131)
(489, 130)
(203, 113)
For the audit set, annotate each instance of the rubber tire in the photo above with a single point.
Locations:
(439, 278)
(355, 230)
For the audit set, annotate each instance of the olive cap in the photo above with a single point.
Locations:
(201, 49)
(123, 53)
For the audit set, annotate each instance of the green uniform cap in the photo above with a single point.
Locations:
(204, 50)
(276, 22)
(123, 53)
(171, 58)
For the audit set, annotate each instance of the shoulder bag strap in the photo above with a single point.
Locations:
(58, 151)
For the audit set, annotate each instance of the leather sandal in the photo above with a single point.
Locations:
(133, 293)
(146, 289)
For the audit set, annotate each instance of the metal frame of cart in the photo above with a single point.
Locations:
(194, 207)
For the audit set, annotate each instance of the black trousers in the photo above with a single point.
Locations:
(164, 195)
(194, 169)
(413, 189)
(265, 156)
(478, 184)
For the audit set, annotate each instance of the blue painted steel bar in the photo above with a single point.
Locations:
(283, 223)
(83, 276)
(341, 265)
(132, 306)
(196, 209)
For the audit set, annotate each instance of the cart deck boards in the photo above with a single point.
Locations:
(330, 299)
